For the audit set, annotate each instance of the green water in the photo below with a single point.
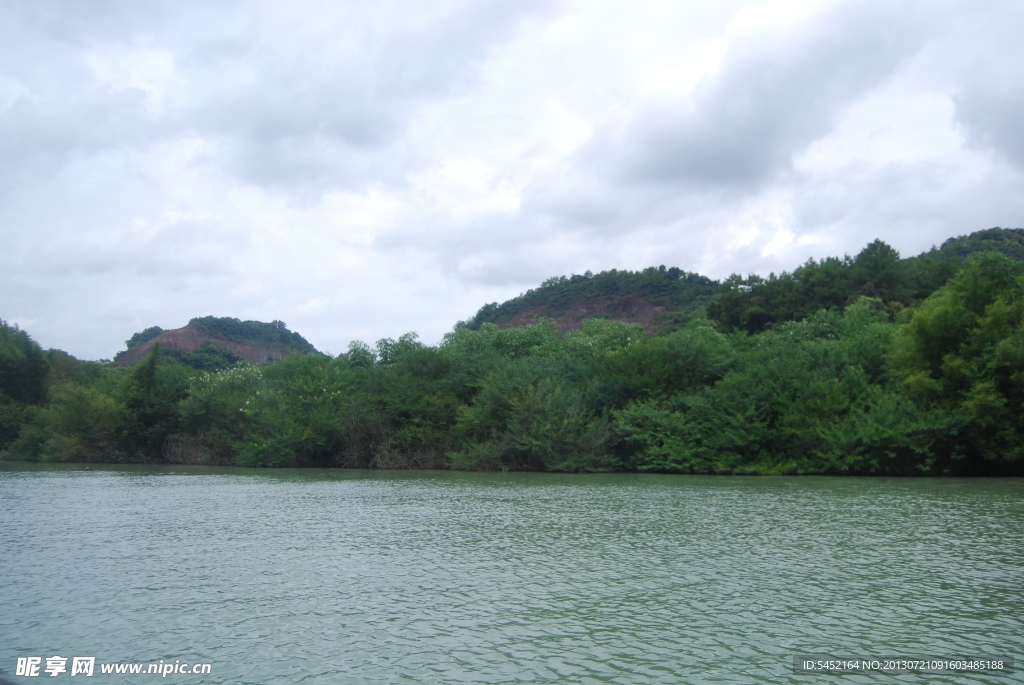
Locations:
(394, 577)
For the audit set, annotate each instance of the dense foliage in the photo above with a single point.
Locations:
(258, 333)
(143, 337)
(1005, 241)
(680, 293)
(754, 304)
(862, 386)
(207, 357)
(23, 370)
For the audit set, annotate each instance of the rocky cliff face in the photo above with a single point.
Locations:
(189, 338)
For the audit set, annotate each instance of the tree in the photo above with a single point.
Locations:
(964, 351)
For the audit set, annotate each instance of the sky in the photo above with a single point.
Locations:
(364, 169)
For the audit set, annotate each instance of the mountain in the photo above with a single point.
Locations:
(755, 303)
(211, 343)
(662, 300)
(657, 298)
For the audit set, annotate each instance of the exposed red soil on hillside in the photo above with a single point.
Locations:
(571, 318)
(190, 337)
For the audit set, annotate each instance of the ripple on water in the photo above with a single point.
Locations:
(356, 577)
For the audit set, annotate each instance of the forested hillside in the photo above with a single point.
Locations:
(754, 303)
(214, 343)
(867, 365)
(663, 300)
(657, 298)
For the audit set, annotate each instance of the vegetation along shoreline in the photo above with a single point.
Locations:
(872, 364)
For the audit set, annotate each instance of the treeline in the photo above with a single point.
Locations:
(754, 304)
(681, 292)
(273, 334)
(864, 387)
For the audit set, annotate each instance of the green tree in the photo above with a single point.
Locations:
(23, 370)
(23, 366)
(963, 351)
(805, 397)
(534, 414)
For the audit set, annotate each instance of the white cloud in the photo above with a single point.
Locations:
(359, 170)
(151, 71)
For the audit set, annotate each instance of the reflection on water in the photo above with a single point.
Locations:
(432, 577)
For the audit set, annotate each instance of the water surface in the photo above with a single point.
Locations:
(303, 576)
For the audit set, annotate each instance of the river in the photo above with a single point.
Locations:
(317, 576)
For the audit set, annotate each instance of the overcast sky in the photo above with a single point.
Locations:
(363, 169)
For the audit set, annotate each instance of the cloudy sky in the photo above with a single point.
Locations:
(363, 169)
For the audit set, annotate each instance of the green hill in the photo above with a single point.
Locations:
(755, 303)
(663, 299)
(211, 343)
(658, 298)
